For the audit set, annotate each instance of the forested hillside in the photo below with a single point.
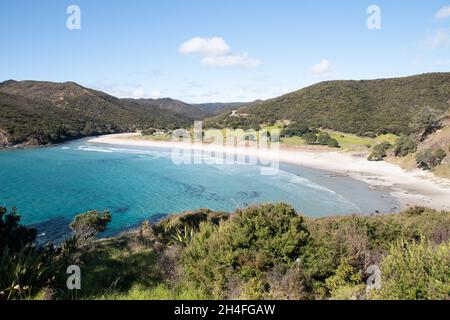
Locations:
(367, 107)
(39, 113)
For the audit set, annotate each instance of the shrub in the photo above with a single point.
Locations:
(253, 241)
(428, 159)
(404, 146)
(87, 225)
(425, 122)
(417, 270)
(310, 138)
(323, 138)
(333, 143)
(379, 152)
(295, 129)
(12, 234)
(346, 283)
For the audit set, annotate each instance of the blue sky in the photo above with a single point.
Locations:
(220, 50)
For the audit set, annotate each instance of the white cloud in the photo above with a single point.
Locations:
(215, 52)
(126, 90)
(155, 94)
(205, 46)
(442, 13)
(324, 67)
(440, 38)
(138, 93)
(231, 60)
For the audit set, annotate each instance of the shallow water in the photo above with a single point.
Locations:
(49, 186)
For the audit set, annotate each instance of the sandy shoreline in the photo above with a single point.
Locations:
(411, 188)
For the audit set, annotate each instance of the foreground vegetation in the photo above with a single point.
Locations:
(261, 252)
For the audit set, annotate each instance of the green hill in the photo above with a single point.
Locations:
(363, 107)
(36, 113)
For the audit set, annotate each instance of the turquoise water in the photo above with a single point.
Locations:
(51, 185)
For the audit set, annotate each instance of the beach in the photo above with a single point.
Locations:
(411, 188)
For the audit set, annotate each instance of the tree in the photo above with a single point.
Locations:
(87, 225)
(426, 122)
(323, 138)
(404, 146)
(296, 129)
(333, 143)
(379, 152)
(310, 138)
(428, 159)
(12, 234)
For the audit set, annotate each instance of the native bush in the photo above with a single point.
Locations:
(404, 146)
(251, 242)
(429, 158)
(416, 271)
(379, 152)
(87, 225)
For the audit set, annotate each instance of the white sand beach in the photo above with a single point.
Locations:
(411, 188)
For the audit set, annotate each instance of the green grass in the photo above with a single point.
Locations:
(159, 292)
(117, 265)
(125, 268)
(349, 141)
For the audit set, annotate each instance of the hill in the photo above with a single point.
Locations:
(365, 107)
(36, 113)
(190, 111)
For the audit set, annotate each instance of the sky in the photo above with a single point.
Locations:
(220, 50)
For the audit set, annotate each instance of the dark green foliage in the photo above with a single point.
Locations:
(379, 152)
(253, 241)
(87, 225)
(325, 140)
(366, 108)
(295, 130)
(38, 113)
(404, 146)
(12, 234)
(310, 138)
(429, 158)
(333, 143)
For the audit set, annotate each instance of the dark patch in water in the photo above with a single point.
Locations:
(55, 230)
(121, 210)
(248, 195)
(199, 191)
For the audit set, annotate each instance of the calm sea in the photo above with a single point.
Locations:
(49, 186)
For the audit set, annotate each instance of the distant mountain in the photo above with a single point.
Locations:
(190, 111)
(36, 113)
(171, 105)
(362, 107)
(217, 107)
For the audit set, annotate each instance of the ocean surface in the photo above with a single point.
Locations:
(49, 186)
